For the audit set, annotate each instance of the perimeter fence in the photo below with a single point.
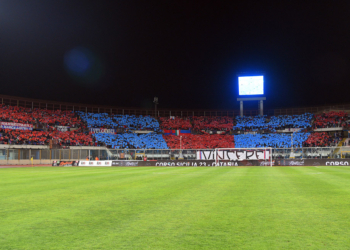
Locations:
(47, 155)
(64, 106)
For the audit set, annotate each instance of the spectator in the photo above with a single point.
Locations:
(221, 123)
(200, 141)
(128, 122)
(275, 140)
(331, 119)
(28, 137)
(175, 123)
(321, 139)
(132, 140)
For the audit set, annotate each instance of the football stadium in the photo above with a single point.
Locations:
(174, 125)
(110, 178)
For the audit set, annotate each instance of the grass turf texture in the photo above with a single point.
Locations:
(175, 208)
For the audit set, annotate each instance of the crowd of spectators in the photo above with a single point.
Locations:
(175, 123)
(222, 123)
(281, 122)
(38, 116)
(251, 123)
(205, 141)
(29, 137)
(132, 140)
(273, 140)
(331, 119)
(128, 122)
(322, 139)
(125, 123)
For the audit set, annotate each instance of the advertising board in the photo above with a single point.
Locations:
(205, 163)
(65, 163)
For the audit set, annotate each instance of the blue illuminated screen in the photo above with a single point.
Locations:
(251, 85)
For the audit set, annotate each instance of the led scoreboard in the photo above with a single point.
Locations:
(251, 85)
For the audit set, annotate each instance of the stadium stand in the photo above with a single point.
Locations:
(46, 120)
(321, 139)
(274, 140)
(331, 119)
(205, 141)
(131, 140)
(132, 122)
(28, 137)
(256, 123)
(251, 123)
(38, 116)
(290, 121)
(175, 123)
(224, 123)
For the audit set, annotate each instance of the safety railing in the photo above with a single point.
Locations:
(53, 105)
(46, 155)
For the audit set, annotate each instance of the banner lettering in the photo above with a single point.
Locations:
(13, 125)
(234, 155)
(62, 128)
(103, 130)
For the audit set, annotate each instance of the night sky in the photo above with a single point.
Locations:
(188, 53)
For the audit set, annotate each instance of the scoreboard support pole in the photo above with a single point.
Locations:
(260, 101)
(261, 107)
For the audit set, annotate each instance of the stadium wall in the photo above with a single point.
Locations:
(205, 163)
(288, 157)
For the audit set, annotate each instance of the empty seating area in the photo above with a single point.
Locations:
(200, 141)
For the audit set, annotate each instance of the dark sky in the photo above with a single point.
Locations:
(123, 53)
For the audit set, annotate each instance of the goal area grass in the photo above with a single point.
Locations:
(175, 208)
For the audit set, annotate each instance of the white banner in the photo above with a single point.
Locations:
(234, 155)
(287, 130)
(62, 128)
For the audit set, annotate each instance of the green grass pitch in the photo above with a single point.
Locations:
(175, 208)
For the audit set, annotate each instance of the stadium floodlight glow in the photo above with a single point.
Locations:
(251, 85)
